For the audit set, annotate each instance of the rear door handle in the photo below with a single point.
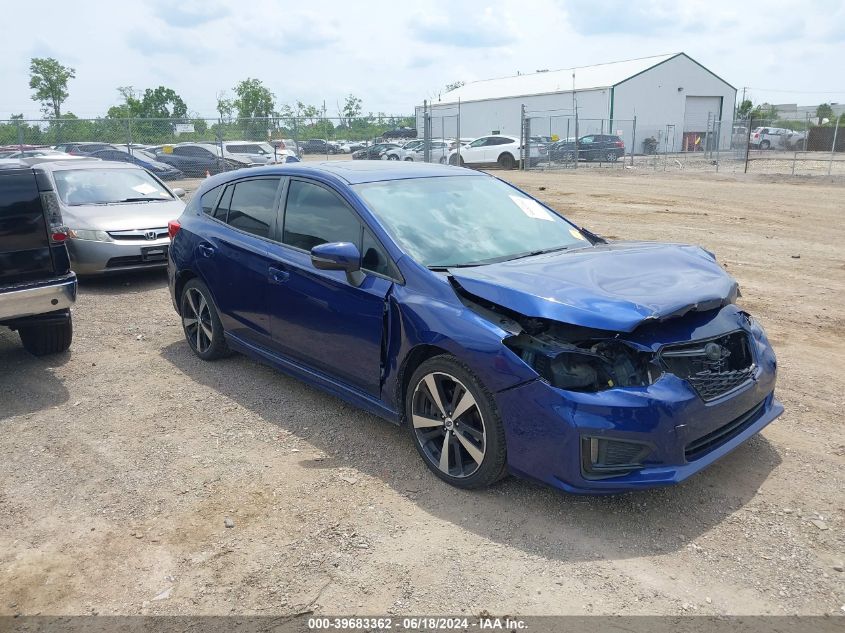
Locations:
(277, 275)
(205, 251)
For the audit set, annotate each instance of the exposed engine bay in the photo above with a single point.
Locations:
(568, 356)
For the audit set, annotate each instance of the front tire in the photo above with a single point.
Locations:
(201, 322)
(454, 424)
(47, 338)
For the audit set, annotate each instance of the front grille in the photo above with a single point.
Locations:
(139, 234)
(706, 443)
(713, 366)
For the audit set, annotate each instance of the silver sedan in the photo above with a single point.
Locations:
(116, 214)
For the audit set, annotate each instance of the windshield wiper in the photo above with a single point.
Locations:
(138, 200)
(442, 267)
(542, 251)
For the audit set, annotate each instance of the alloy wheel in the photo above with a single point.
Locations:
(448, 425)
(196, 319)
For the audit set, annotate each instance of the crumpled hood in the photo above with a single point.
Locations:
(609, 286)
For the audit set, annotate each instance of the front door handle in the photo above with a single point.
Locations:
(277, 275)
(205, 251)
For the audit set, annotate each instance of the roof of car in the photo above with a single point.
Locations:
(58, 165)
(361, 171)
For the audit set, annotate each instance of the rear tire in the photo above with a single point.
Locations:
(765, 144)
(612, 157)
(47, 338)
(506, 161)
(201, 322)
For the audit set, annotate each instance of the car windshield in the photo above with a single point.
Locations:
(466, 220)
(107, 186)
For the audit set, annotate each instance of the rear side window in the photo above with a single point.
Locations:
(253, 206)
(314, 215)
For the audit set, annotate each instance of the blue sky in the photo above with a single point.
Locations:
(394, 54)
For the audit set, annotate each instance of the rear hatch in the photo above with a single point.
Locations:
(25, 243)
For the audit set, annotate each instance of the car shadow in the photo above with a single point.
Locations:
(127, 282)
(27, 383)
(514, 513)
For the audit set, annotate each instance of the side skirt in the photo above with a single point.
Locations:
(313, 377)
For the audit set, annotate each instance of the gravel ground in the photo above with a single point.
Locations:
(137, 479)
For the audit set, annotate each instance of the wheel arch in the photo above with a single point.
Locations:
(182, 277)
(413, 359)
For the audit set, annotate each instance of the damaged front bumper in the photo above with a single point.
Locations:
(627, 438)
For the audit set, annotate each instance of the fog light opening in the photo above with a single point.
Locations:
(602, 457)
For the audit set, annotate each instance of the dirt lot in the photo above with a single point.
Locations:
(122, 459)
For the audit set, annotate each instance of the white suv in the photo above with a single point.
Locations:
(769, 137)
(498, 150)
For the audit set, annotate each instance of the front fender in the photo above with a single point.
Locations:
(454, 328)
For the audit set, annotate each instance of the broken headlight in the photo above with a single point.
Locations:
(585, 365)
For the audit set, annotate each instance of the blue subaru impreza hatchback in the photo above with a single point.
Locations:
(504, 337)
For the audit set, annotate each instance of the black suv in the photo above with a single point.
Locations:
(37, 287)
(604, 147)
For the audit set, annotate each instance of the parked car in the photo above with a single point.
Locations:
(769, 137)
(403, 151)
(287, 146)
(438, 151)
(31, 153)
(37, 287)
(348, 147)
(591, 147)
(196, 160)
(401, 132)
(374, 152)
(11, 151)
(794, 141)
(83, 148)
(497, 149)
(258, 153)
(533, 347)
(142, 159)
(116, 214)
(318, 146)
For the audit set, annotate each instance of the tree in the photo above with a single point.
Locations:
(48, 78)
(254, 100)
(225, 106)
(162, 103)
(454, 85)
(744, 109)
(824, 111)
(351, 110)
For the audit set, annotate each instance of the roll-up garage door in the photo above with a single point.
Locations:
(698, 109)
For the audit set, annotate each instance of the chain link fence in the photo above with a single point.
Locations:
(550, 140)
(200, 146)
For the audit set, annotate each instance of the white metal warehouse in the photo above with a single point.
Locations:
(674, 99)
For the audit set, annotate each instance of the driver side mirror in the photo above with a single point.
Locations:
(179, 192)
(339, 256)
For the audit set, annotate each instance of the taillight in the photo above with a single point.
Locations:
(756, 135)
(173, 228)
(620, 144)
(59, 235)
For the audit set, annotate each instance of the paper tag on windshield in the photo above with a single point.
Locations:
(144, 188)
(532, 208)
